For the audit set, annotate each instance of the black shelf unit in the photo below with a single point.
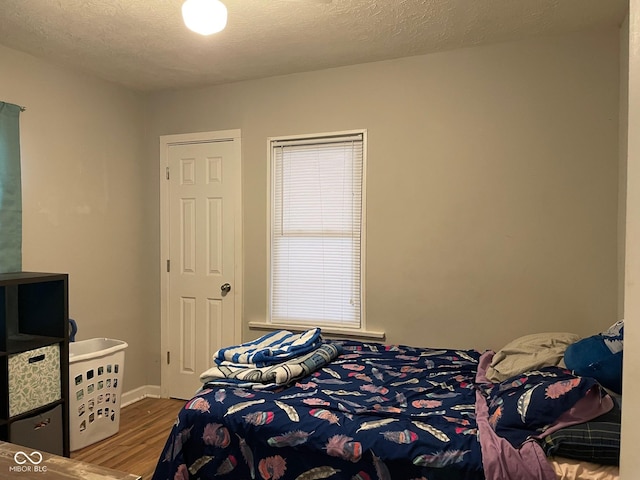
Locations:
(34, 313)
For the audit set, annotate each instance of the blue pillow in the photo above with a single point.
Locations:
(599, 357)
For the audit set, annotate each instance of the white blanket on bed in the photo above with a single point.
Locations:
(274, 375)
(272, 348)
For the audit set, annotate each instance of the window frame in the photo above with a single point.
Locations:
(328, 327)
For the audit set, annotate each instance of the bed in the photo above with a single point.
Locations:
(382, 412)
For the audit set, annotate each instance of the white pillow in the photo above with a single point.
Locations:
(530, 352)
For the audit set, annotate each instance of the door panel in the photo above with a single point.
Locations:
(200, 319)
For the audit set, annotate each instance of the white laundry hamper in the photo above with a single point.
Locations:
(96, 369)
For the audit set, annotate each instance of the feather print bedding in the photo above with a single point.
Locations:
(376, 412)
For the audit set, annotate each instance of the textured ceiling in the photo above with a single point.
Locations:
(144, 45)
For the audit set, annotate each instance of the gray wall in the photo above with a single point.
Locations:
(492, 188)
(83, 184)
(492, 182)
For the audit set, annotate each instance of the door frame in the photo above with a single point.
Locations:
(167, 141)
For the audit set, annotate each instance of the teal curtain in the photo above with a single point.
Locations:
(10, 189)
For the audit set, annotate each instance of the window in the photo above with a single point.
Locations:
(316, 230)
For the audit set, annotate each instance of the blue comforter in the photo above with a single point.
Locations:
(379, 412)
(375, 412)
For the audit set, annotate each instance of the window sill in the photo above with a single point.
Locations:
(342, 332)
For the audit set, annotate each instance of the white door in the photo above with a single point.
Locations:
(200, 289)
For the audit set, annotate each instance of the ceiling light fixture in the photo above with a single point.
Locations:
(204, 16)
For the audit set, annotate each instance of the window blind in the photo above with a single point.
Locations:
(316, 231)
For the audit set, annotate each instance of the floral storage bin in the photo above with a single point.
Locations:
(34, 379)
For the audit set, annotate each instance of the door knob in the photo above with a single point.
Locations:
(225, 288)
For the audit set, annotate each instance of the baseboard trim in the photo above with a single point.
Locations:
(137, 394)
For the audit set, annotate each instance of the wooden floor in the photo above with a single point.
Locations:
(144, 428)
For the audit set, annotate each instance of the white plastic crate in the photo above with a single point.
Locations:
(96, 368)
